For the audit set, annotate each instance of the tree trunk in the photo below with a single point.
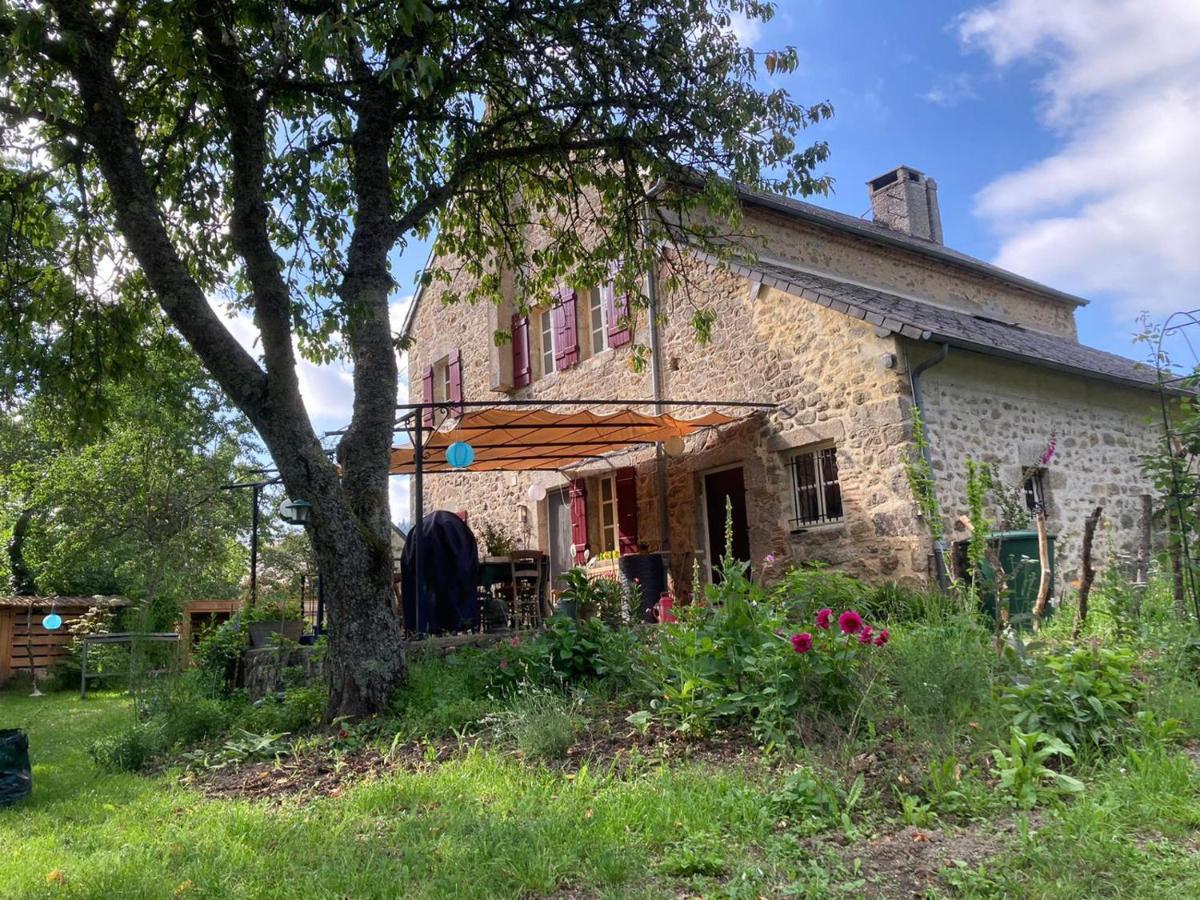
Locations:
(1089, 573)
(20, 576)
(1176, 536)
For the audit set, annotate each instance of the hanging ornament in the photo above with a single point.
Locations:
(673, 446)
(52, 622)
(537, 493)
(460, 454)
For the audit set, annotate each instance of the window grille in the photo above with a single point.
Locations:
(816, 491)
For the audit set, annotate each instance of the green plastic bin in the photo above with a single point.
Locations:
(1018, 554)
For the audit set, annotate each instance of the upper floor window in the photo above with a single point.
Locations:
(816, 490)
(1035, 490)
(546, 332)
(597, 321)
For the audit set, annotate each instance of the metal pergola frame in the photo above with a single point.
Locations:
(411, 422)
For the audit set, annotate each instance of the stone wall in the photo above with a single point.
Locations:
(999, 412)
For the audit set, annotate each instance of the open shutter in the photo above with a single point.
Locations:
(617, 311)
(456, 384)
(427, 397)
(522, 370)
(577, 492)
(627, 515)
(566, 334)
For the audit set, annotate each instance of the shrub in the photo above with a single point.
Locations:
(219, 651)
(444, 694)
(130, 750)
(291, 711)
(805, 589)
(730, 660)
(186, 708)
(542, 724)
(1085, 697)
(942, 674)
(569, 651)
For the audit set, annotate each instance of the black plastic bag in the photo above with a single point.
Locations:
(16, 779)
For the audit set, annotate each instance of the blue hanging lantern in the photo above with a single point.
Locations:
(460, 454)
(52, 622)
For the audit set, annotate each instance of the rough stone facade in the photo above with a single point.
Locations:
(1004, 413)
(834, 380)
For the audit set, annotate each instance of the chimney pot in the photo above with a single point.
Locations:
(906, 201)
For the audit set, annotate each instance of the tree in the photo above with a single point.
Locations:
(273, 153)
(138, 509)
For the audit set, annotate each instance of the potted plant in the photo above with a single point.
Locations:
(496, 541)
(274, 617)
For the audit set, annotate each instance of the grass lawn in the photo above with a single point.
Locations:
(485, 824)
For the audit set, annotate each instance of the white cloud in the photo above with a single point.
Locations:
(1112, 211)
(952, 91)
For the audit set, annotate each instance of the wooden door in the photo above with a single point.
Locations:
(558, 519)
(725, 490)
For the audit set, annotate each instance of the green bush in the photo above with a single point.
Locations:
(130, 750)
(568, 652)
(295, 710)
(804, 590)
(1087, 698)
(220, 648)
(542, 724)
(730, 660)
(942, 675)
(444, 695)
(186, 708)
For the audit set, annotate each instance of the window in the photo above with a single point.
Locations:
(546, 330)
(607, 498)
(1035, 490)
(816, 492)
(597, 322)
(441, 379)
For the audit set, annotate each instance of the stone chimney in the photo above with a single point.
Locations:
(905, 200)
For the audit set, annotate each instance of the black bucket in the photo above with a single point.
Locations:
(16, 779)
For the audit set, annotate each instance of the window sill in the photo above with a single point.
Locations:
(824, 528)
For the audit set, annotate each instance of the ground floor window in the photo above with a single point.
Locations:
(816, 491)
(607, 500)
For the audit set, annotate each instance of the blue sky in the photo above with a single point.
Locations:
(1063, 135)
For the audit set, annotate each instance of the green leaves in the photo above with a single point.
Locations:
(1024, 773)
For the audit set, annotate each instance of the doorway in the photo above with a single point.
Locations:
(721, 488)
(558, 521)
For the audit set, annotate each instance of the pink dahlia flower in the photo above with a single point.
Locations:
(864, 636)
(850, 622)
(823, 617)
(882, 638)
(802, 642)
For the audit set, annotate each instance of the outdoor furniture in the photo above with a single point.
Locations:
(528, 588)
(124, 637)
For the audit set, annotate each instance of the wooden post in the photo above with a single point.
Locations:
(6, 644)
(1141, 575)
(1176, 540)
(1043, 594)
(1089, 573)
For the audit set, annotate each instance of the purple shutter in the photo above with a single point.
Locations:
(627, 512)
(617, 308)
(566, 348)
(522, 371)
(456, 383)
(427, 396)
(577, 492)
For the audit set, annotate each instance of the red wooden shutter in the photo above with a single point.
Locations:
(577, 491)
(566, 334)
(427, 396)
(627, 513)
(456, 384)
(619, 332)
(522, 370)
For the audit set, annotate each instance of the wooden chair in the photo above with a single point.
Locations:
(527, 588)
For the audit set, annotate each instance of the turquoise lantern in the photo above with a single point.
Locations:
(460, 454)
(52, 622)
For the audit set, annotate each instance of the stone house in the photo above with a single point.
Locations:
(842, 324)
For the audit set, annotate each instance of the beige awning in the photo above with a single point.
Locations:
(522, 440)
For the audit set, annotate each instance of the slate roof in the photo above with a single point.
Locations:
(882, 234)
(927, 322)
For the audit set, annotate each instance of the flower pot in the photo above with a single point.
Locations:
(568, 608)
(260, 632)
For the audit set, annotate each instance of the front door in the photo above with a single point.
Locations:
(558, 519)
(725, 490)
